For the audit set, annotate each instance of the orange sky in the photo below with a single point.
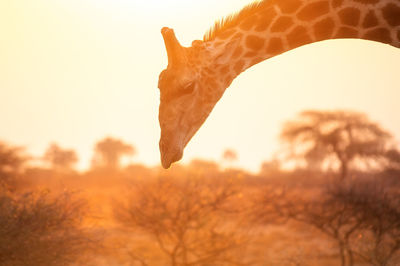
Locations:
(75, 71)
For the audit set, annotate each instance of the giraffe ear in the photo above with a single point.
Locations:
(174, 49)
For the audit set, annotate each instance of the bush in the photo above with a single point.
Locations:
(37, 229)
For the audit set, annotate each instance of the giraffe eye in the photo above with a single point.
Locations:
(187, 89)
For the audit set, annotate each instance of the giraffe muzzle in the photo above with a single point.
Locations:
(169, 154)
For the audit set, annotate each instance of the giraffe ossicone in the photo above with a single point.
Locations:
(197, 76)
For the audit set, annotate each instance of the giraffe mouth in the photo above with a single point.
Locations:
(170, 153)
(173, 142)
(173, 145)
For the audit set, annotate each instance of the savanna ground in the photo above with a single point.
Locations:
(337, 204)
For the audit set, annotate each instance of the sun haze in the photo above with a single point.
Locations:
(76, 71)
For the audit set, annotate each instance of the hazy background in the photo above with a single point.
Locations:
(76, 71)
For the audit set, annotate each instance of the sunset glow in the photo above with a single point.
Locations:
(128, 138)
(76, 71)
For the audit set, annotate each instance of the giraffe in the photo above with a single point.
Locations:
(197, 76)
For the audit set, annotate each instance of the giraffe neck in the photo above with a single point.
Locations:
(272, 27)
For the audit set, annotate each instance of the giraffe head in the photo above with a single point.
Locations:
(189, 89)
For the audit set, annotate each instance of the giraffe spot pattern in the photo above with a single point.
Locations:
(228, 79)
(267, 12)
(238, 66)
(324, 29)
(254, 42)
(250, 54)
(370, 20)
(398, 35)
(211, 82)
(380, 35)
(209, 71)
(367, 2)
(266, 20)
(297, 37)
(391, 13)
(349, 16)
(346, 32)
(313, 11)
(238, 51)
(288, 6)
(275, 46)
(226, 34)
(337, 3)
(257, 60)
(224, 70)
(263, 26)
(248, 23)
(282, 24)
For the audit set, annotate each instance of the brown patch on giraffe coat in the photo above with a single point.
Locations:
(298, 36)
(223, 70)
(254, 42)
(337, 3)
(263, 26)
(266, 19)
(313, 10)
(238, 66)
(211, 82)
(288, 6)
(346, 32)
(367, 2)
(251, 54)
(248, 23)
(282, 24)
(226, 34)
(228, 79)
(349, 16)
(398, 35)
(275, 46)
(391, 13)
(238, 51)
(370, 20)
(379, 35)
(323, 29)
(267, 13)
(209, 71)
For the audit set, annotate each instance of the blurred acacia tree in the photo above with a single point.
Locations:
(109, 151)
(230, 155)
(60, 159)
(346, 137)
(12, 162)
